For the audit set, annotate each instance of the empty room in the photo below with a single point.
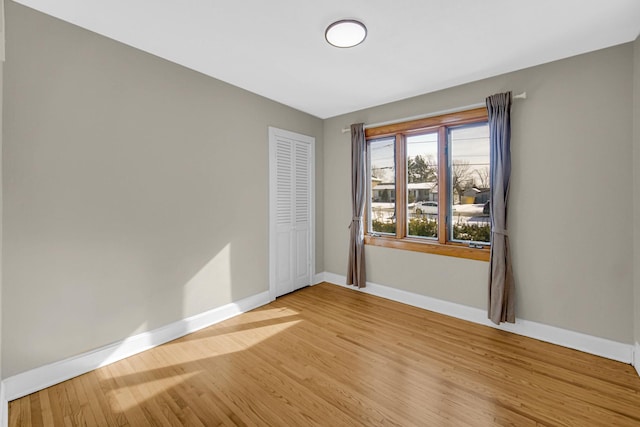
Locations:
(421, 213)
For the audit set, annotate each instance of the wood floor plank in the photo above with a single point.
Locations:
(326, 355)
(56, 403)
(25, 411)
(46, 411)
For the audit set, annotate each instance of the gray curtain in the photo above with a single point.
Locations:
(501, 283)
(355, 269)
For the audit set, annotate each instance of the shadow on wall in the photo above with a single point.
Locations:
(203, 292)
(212, 283)
(115, 292)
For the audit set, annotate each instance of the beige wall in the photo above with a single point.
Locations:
(1, 210)
(136, 191)
(571, 203)
(636, 189)
(1, 135)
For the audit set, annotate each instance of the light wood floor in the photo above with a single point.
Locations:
(329, 356)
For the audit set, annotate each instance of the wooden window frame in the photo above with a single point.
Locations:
(441, 246)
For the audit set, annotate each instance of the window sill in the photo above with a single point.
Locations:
(430, 247)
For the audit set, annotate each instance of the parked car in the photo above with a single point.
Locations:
(486, 209)
(426, 207)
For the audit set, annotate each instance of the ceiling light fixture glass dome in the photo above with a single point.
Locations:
(346, 33)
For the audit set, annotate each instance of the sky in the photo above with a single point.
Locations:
(469, 143)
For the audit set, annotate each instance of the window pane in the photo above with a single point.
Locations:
(382, 171)
(422, 185)
(469, 183)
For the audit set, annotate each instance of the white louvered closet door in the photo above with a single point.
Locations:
(291, 211)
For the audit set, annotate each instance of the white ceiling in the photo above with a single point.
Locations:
(276, 48)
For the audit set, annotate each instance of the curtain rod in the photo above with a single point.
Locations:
(522, 95)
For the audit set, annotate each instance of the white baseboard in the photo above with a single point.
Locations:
(318, 278)
(45, 376)
(4, 407)
(636, 358)
(566, 338)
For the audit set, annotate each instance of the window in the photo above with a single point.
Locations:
(429, 185)
(382, 170)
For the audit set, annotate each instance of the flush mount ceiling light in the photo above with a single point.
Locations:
(346, 33)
